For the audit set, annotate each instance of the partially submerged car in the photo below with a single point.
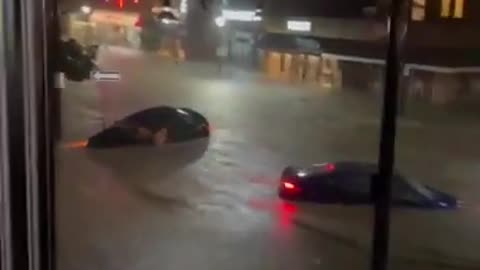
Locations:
(350, 183)
(150, 143)
(153, 126)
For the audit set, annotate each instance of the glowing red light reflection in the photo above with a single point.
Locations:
(286, 217)
(288, 208)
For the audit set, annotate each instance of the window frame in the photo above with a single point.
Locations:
(31, 112)
(27, 234)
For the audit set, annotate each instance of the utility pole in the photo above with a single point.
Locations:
(381, 182)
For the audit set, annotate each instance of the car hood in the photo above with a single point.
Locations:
(442, 200)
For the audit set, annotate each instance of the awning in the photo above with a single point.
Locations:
(291, 43)
(316, 45)
(371, 51)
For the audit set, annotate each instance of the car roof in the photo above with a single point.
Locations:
(359, 167)
(345, 166)
(351, 165)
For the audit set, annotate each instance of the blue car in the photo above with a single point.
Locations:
(349, 183)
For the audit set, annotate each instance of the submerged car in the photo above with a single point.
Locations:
(350, 183)
(153, 126)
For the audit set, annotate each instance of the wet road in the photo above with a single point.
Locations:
(121, 209)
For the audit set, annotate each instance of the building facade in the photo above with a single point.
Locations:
(312, 43)
(443, 50)
(343, 47)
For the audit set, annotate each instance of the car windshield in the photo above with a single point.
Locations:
(172, 134)
(410, 190)
(420, 188)
(186, 116)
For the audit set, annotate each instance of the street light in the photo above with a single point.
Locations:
(86, 9)
(238, 15)
(220, 21)
(257, 18)
(183, 6)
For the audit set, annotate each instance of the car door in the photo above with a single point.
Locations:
(321, 188)
(352, 187)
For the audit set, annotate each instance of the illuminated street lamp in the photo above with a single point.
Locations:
(257, 18)
(183, 6)
(86, 10)
(220, 21)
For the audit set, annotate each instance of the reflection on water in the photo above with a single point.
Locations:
(146, 207)
(134, 163)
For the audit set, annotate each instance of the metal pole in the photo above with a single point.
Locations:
(382, 181)
(51, 120)
(12, 145)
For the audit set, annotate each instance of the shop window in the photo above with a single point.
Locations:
(418, 10)
(458, 9)
(282, 62)
(452, 9)
(445, 11)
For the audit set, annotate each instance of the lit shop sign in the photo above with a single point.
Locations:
(241, 15)
(183, 6)
(301, 26)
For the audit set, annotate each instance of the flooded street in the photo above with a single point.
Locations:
(213, 204)
(240, 135)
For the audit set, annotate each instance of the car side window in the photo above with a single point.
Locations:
(352, 182)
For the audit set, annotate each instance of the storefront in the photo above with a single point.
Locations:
(290, 59)
(325, 62)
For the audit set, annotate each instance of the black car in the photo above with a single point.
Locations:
(350, 183)
(171, 125)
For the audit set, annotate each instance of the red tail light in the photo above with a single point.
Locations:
(289, 189)
(330, 167)
(288, 185)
